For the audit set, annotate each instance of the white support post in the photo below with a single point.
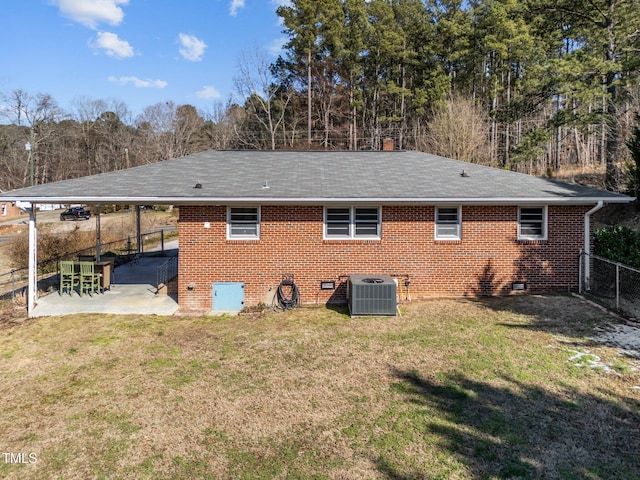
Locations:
(98, 233)
(139, 248)
(32, 288)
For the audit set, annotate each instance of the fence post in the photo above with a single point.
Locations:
(162, 241)
(13, 285)
(617, 286)
(580, 260)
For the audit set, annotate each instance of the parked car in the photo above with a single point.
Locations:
(75, 213)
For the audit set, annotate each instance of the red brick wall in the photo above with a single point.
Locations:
(8, 210)
(485, 262)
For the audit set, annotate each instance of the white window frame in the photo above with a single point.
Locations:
(457, 223)
(352, 223)
(544, 223)
(231, 236)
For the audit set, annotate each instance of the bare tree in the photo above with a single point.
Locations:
(40, 113)
(12, 156)
(86, 109)
(458, 129)
(256, 85)
(24, 109)
(155, 129)
(104, 138)
(168, 131)
(218, 129)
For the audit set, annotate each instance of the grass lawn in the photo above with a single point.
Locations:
(452, 389)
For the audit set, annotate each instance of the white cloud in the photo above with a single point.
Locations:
(281, 3)
(112, 45)
(208, 92)
(92, 12)
(138, 83)
(192, 47)
(275, 47)
(235, 6)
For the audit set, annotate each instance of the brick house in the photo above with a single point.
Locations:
(8, 211)
(439, 226)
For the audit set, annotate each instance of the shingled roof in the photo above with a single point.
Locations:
(260, 177)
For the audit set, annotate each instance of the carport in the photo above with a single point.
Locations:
(131, 293)
(135, 187)
(32, 288)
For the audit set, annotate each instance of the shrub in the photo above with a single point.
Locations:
(619, 243)
(50, 246)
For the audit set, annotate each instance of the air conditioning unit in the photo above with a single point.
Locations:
(371, 295)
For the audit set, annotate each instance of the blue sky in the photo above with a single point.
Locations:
(140, 52)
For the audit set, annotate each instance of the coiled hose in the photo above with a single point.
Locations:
(288, 300)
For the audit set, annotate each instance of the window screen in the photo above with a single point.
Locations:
(448, 222)
(532, 222)
(338, 222)
(243, 222)
(366, 222)
(352, 222)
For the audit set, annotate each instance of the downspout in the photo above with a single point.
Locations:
(587, 241)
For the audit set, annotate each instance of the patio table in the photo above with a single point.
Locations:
(103, 268)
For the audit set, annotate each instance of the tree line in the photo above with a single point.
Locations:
(528, 85)
(99, 136)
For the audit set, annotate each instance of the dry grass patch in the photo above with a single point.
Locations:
(450, 389)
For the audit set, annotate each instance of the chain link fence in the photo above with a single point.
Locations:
(616, 285)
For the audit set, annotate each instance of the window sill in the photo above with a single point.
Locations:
(532, 241)
(358, 241)
(242, 240)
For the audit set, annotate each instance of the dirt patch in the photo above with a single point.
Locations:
(12, 312)
(12, 229)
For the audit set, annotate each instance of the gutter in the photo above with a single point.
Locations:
(264, 200)
(587, 241)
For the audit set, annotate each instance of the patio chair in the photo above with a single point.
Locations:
(89, 280)
(68, 277)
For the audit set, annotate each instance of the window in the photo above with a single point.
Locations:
(532, 223)
(338, 221)
(366, 222)
(352, 222)
(243, 222)
(448, 223)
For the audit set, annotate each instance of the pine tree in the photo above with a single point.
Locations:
(633, 165)
(599, 62)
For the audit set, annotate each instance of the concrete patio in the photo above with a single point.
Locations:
(132, 291)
